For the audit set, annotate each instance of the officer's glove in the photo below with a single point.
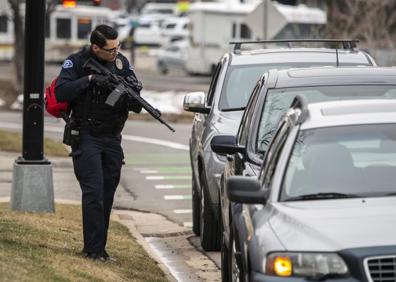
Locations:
(134, 83)
(99, 80)
(104, 83)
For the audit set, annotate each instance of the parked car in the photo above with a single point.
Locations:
(220, 112)
(322, 208)
(172, 56)
(175, 28)
(270, 100)
(151, 17)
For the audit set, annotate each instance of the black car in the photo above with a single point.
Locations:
(270, 99)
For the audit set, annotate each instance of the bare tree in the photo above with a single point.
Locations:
(19, 44)
(371, 21)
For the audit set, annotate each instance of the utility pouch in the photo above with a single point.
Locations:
(71, 134)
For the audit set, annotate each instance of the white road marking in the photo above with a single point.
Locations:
(187, 224)
(164, 186)
(134, 138)
(177, 197)
(148, 171)
(155, 177)
(182, 211)
(172, 186)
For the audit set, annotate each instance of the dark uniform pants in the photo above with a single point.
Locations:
(97, 164)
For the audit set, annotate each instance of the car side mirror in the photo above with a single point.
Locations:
(195, 102)
(246, 190)
(226, 144)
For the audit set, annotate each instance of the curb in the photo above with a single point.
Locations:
(141, 241)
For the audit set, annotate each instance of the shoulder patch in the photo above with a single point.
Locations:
(119, 64)
(67, 64)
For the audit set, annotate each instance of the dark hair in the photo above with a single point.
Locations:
(101, 33)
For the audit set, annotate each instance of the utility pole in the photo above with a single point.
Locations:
(32, 186)
(265, 19)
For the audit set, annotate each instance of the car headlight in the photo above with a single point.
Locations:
(313, 265)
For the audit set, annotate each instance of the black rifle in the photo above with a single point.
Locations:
(124, 88)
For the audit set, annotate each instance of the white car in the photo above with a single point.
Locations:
(151, 17)
(148, 31)
(174, 28)
(172, 56)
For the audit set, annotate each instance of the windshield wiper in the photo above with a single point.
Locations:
(320, 196)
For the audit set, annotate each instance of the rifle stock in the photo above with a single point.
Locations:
(123, 88)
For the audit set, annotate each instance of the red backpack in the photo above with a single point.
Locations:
(52, 106)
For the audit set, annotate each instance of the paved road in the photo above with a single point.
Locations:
(146, 72)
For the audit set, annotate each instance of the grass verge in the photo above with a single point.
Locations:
(46, 247)
(12, 142)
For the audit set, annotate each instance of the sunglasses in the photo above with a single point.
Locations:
(112, 50)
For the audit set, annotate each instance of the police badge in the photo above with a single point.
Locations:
(119, 64)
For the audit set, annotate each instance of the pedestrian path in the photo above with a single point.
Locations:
(166, 178)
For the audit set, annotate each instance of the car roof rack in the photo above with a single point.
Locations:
(347, 44)
(299, 102)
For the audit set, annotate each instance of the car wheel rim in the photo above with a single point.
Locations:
(234, 265)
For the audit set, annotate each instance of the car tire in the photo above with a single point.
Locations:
(225, 262)
(236, 271)
(162, 67)
(209, 226)
(196, 209)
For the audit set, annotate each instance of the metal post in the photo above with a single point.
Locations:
(32, 188)
(265, 18)
(32, 146)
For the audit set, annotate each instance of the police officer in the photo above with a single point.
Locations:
(97, 153)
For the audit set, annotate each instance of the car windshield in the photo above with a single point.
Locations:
(358, 160)
(241, 79)
(278, 101)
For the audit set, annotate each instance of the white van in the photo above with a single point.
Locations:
(214, 25)
(69, 29)
(6, 32)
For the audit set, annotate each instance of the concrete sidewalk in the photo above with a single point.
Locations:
(166, 242)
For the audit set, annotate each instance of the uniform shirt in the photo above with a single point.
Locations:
(73, 79)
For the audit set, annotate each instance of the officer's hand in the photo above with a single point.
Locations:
(104, 83)
(99, 80)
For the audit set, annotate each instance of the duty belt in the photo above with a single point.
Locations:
(101, 128)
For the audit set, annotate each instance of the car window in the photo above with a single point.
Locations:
(213, 85)
(272, 156)
(247, 115)
(238, 85)
(356, 159)
(278, 101)
(240, 80)
(170, 26)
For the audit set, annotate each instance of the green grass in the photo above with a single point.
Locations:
(46, 247)
(12, 142)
